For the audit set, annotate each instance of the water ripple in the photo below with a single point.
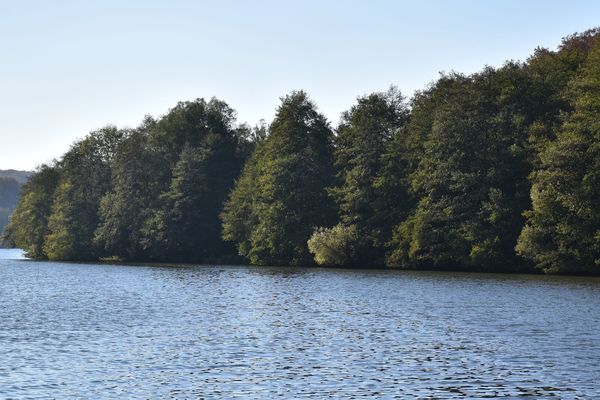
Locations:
(106, 331)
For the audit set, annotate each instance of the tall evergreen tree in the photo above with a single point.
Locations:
(28, 225)
(187, 226)
(136, 185)
(84, 179)
(281, 196)
(211, 151)
(549, 73)
(190, 124)
(365, 202)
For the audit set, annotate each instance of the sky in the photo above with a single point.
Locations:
(69, 67)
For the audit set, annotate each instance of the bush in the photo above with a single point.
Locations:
(334, 246)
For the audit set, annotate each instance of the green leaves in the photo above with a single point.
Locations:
(497, 170)
(85, 177)
(170, 179)
(562, 227)
(280, 196)
(370, 190)
(137, 179)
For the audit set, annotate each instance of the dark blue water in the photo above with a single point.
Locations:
(108, 331)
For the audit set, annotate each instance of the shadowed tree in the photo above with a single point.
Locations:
(562, 234)
(84, 179)
(281, 195)
(366, 197)
(136, 185)
(28, 225)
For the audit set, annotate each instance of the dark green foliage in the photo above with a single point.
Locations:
(562, 234)
(170, 179)
(85, 178)
(187, 226)
(239, 215)
(471, 180)
(443, 181)
(136, 184)
(206, 152)
(549, 75)
(368, 195)
(191, 124)
(280, 197)
(9, 192)
(28, 224)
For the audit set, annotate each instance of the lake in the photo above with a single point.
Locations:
(112, 331)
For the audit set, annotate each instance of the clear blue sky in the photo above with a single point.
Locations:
(68, 67)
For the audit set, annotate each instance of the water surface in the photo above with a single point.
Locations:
(109, 331)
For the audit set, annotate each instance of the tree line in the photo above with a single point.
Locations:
(497, 170)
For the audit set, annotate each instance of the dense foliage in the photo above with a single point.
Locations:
(498, 170)
(28, 225)
(366, 202)
(151, 193)
(281, 195)
(563, 229)
(20, 176)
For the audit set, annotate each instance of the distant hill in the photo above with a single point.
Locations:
(10, 188)
(9, 192)
(19, 176)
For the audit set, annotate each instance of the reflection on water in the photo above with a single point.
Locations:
(105, 331)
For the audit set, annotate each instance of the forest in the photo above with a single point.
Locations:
(493, 171)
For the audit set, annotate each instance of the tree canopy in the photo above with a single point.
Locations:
(497, 170)
(562, 233)
(281, 195)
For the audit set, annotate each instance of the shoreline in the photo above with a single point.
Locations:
(167, 264)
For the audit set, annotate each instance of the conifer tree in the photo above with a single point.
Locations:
(84, 179)
(365, 197)
(28, 225)
(281, 196)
